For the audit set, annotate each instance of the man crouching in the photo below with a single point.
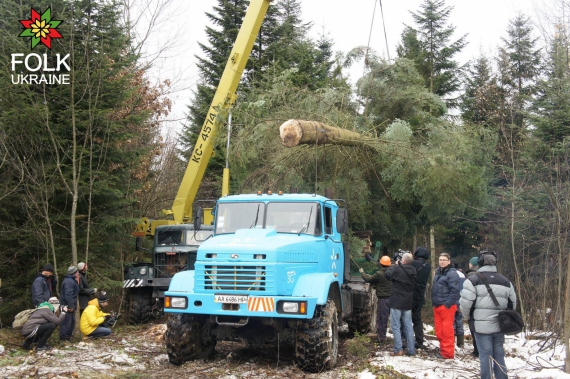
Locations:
(93, 318)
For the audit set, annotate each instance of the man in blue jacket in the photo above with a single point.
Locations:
(69, 292)
(444, 297)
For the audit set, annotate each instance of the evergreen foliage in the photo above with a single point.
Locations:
(84, 156)
(282, 44)
(551, 107)
(431, 48)
(393, 181)
(80, 164)
(482, 97)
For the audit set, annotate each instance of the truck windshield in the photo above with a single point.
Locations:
(198, 237)
(234, 216)
(300, 218)
(169, 237)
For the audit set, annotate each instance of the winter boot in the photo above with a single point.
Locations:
(460, 340)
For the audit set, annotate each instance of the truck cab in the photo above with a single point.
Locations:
(275, 269)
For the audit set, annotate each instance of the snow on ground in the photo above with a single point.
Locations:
(525, 358)
(140, 352)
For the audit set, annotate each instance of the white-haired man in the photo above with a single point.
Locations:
(403, 277)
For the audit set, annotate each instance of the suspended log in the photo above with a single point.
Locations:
(298, 132)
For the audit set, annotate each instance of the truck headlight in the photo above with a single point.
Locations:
(290, 307)
(175, 302)
(142, 271)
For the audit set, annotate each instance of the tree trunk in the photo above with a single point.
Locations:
(434, 263)
(567, 319)
(298, 132)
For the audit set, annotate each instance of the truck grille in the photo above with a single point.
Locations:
(233, 278)
(169, 263)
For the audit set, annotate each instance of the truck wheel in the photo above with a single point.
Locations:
(316, 345)
(363, 320)
(185, 339)
(138, 305)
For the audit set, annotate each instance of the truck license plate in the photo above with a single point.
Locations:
(231, 299)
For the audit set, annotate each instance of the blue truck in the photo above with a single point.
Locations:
(274, 271)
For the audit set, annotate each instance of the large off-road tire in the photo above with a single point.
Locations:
(363, 320)
(138, 304)
(316, 343)
(185, 339)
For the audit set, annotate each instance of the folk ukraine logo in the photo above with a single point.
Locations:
(41, 28)
(40, 68)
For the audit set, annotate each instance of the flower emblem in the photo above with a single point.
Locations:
(41, 28)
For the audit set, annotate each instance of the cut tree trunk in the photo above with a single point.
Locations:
(298, 132)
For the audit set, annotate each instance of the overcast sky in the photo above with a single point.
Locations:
(348, 23)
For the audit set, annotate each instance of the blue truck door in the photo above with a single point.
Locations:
(334, 249)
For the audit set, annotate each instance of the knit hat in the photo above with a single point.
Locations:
(46, 304)
(71, 270)
(81, 266)
(54, 301)
(103, 298)
(48, 267)
(473, 261)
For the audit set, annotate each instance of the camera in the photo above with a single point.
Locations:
(399, 254)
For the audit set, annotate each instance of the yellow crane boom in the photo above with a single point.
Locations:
(224, 97)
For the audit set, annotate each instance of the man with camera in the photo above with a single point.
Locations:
(94, 322)
(403, 278)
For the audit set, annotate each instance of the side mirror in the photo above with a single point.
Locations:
(198, 215)
(138, 244)
(342, 220)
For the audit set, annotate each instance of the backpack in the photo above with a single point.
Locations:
(21, 318)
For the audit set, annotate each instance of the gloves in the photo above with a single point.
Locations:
(94, 290)
(63, 308)
(107, 318)
(361, 270)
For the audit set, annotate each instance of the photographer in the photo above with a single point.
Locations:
(42, 323)
(94, 321)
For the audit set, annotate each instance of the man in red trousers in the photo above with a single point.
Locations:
(444, 297)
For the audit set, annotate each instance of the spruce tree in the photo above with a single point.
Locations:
(519, 62)
(482, 96)
(551, 108)
(431, 47)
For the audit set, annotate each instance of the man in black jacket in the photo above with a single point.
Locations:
(403, 277)
(44, 285)
(85, 293)
(383, 287)
(423, 271)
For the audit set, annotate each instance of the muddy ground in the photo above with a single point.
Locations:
(139, 352)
